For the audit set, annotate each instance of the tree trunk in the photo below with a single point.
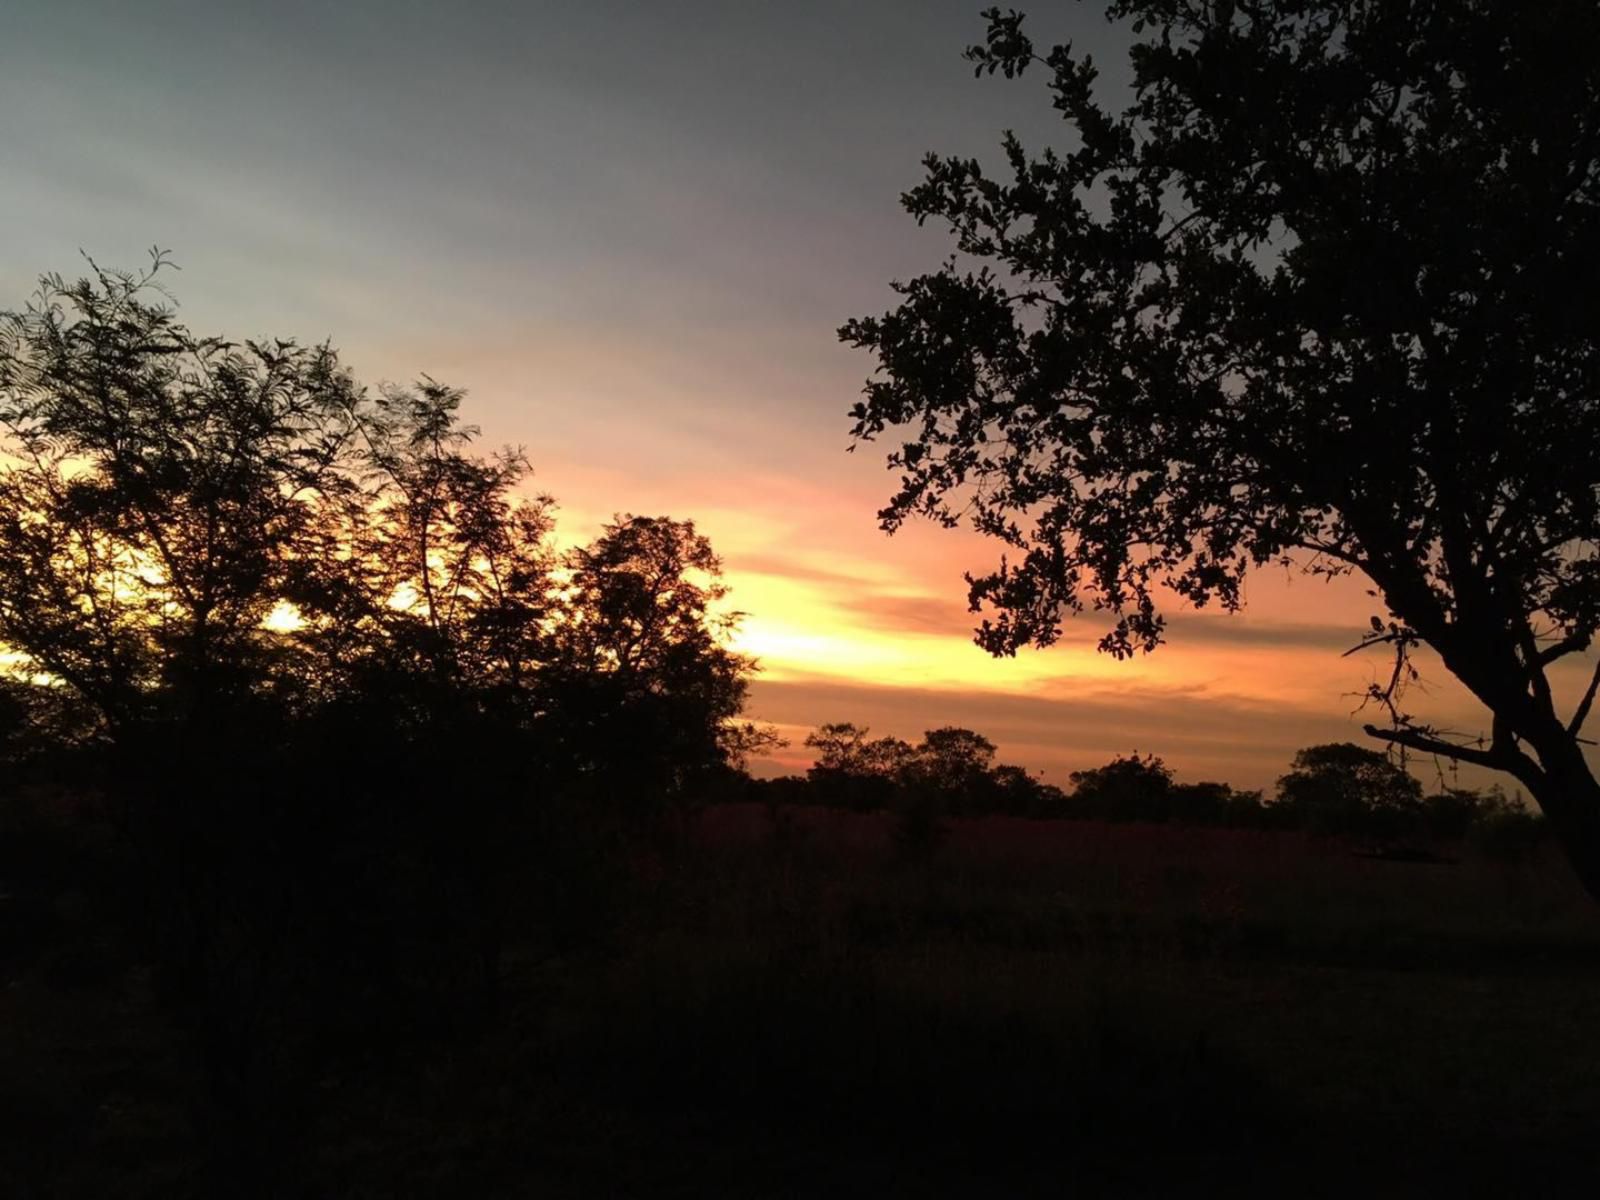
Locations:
(1570, 797)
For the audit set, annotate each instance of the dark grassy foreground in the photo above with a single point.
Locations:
(787, 1005)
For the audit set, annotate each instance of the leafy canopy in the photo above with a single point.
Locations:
(198, 534)
(1322, 291)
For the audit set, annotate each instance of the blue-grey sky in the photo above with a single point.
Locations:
(705, 189)
(630, 230)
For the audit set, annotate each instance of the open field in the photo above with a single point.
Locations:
(781, 1003)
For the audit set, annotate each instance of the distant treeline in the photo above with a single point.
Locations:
(1336, 789)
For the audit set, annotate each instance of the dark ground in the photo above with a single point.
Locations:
(784, 1004)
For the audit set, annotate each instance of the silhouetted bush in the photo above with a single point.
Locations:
(1505, 830)
(951, 772)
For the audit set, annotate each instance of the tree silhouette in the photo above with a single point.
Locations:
(950, 769)
(426, 600)
(1344, 788)
(1131, 788)
(161, 492)
(1321, 294)
(199, 536)
(841, 747)
(950, 772)
(851, 770)
(641, 683)
(951, 758)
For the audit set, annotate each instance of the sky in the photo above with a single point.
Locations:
(630, 232)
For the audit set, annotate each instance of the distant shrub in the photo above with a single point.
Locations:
(1131, 788)
(1450, 815)
(1505, 830)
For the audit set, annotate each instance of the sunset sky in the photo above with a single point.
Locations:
(630, 231)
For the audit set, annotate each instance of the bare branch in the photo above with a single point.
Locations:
(1495, 758)
(1377, 639)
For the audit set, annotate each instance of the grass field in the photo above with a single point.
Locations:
(786, 1004)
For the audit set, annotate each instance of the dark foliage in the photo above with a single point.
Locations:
(640, 688)
(1319, 294)
(1340, 790)
(951, 772)
(1344, 788)
(351, 715)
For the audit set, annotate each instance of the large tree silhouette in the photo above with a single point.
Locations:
(159, 490)
(1322, 292)
(197, 533)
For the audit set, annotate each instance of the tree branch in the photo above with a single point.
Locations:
(1497, 759)
(1584, 705)
(1571, 644)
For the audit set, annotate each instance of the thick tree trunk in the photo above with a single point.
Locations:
(1570, 797)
